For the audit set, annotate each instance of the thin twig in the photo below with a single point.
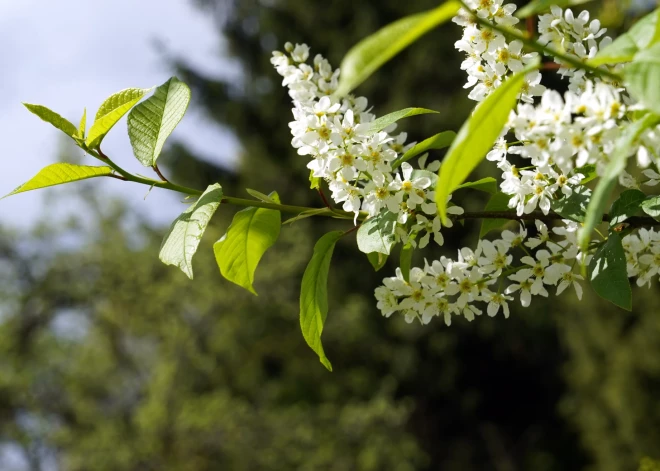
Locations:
(157, 170)
(118, 177)
(530, 26)
(635, 221)
(352, 229)
(551, 66)
(515, 34)
(325, 200)
(101, 154)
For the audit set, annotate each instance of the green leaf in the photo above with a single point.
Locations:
(111, 111)
(151, 122)
(439, 141)
(377, 260)
(573, 207)
(385, 121)
(476, 137)
(82, 127)
(376, 234)
(651, 206)
(498, 202)
(251, 233)
(643, 34)
(314, 182)
(181, 242)
(487, 185)
(540, 6)
(314, 294)
(52, 118)
(608, 273)
(371, 53)
(405, 260)
(589, 172)
(622, 150)
(261, 196)
(642, 77)
(426, 174)
(628, 204)
(56, 174)
(306, 214)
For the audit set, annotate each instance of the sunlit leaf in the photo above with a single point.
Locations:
(439, 141)
(651, 206)
(376, 234)
(405, 260)
(57, 174)
(589, 173)
(377, 260)
(53, 118)
(541, 6)
(314, 294)
(306, 214)
(151, 122)
(251, 233)
(643, 34)
(608, 274)
(111, 111)
(82, 127)
(498, 202)
(314, 182)
(574, 206)
(487, 185)
(601, 195)
(628, 204)
(181, 242)
(642, 77)
(261, 196)
(424, 174)
(389, 119)
(476, 137)
(371, 53)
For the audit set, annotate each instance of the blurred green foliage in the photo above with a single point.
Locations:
(648, 464)
(110, 360)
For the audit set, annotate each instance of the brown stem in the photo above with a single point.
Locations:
(530, 26)
(352, 229)
(118, 177)
(101, 154)
(551, 66)
(325, 200)
(635, 221)
(162, 177)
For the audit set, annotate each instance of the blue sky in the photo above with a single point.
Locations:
(68, 54)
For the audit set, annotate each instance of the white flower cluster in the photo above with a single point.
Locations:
(563, 138)
(489, 57)
(574, 36)
(449, 287)
(358, 165)
(559, 137)
(643, 255)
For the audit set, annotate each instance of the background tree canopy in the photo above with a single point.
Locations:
(110, 360)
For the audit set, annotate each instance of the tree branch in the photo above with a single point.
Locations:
(515, 34)
(157, 170)
(635, 221)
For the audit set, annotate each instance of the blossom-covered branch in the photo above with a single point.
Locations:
(564, 141)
